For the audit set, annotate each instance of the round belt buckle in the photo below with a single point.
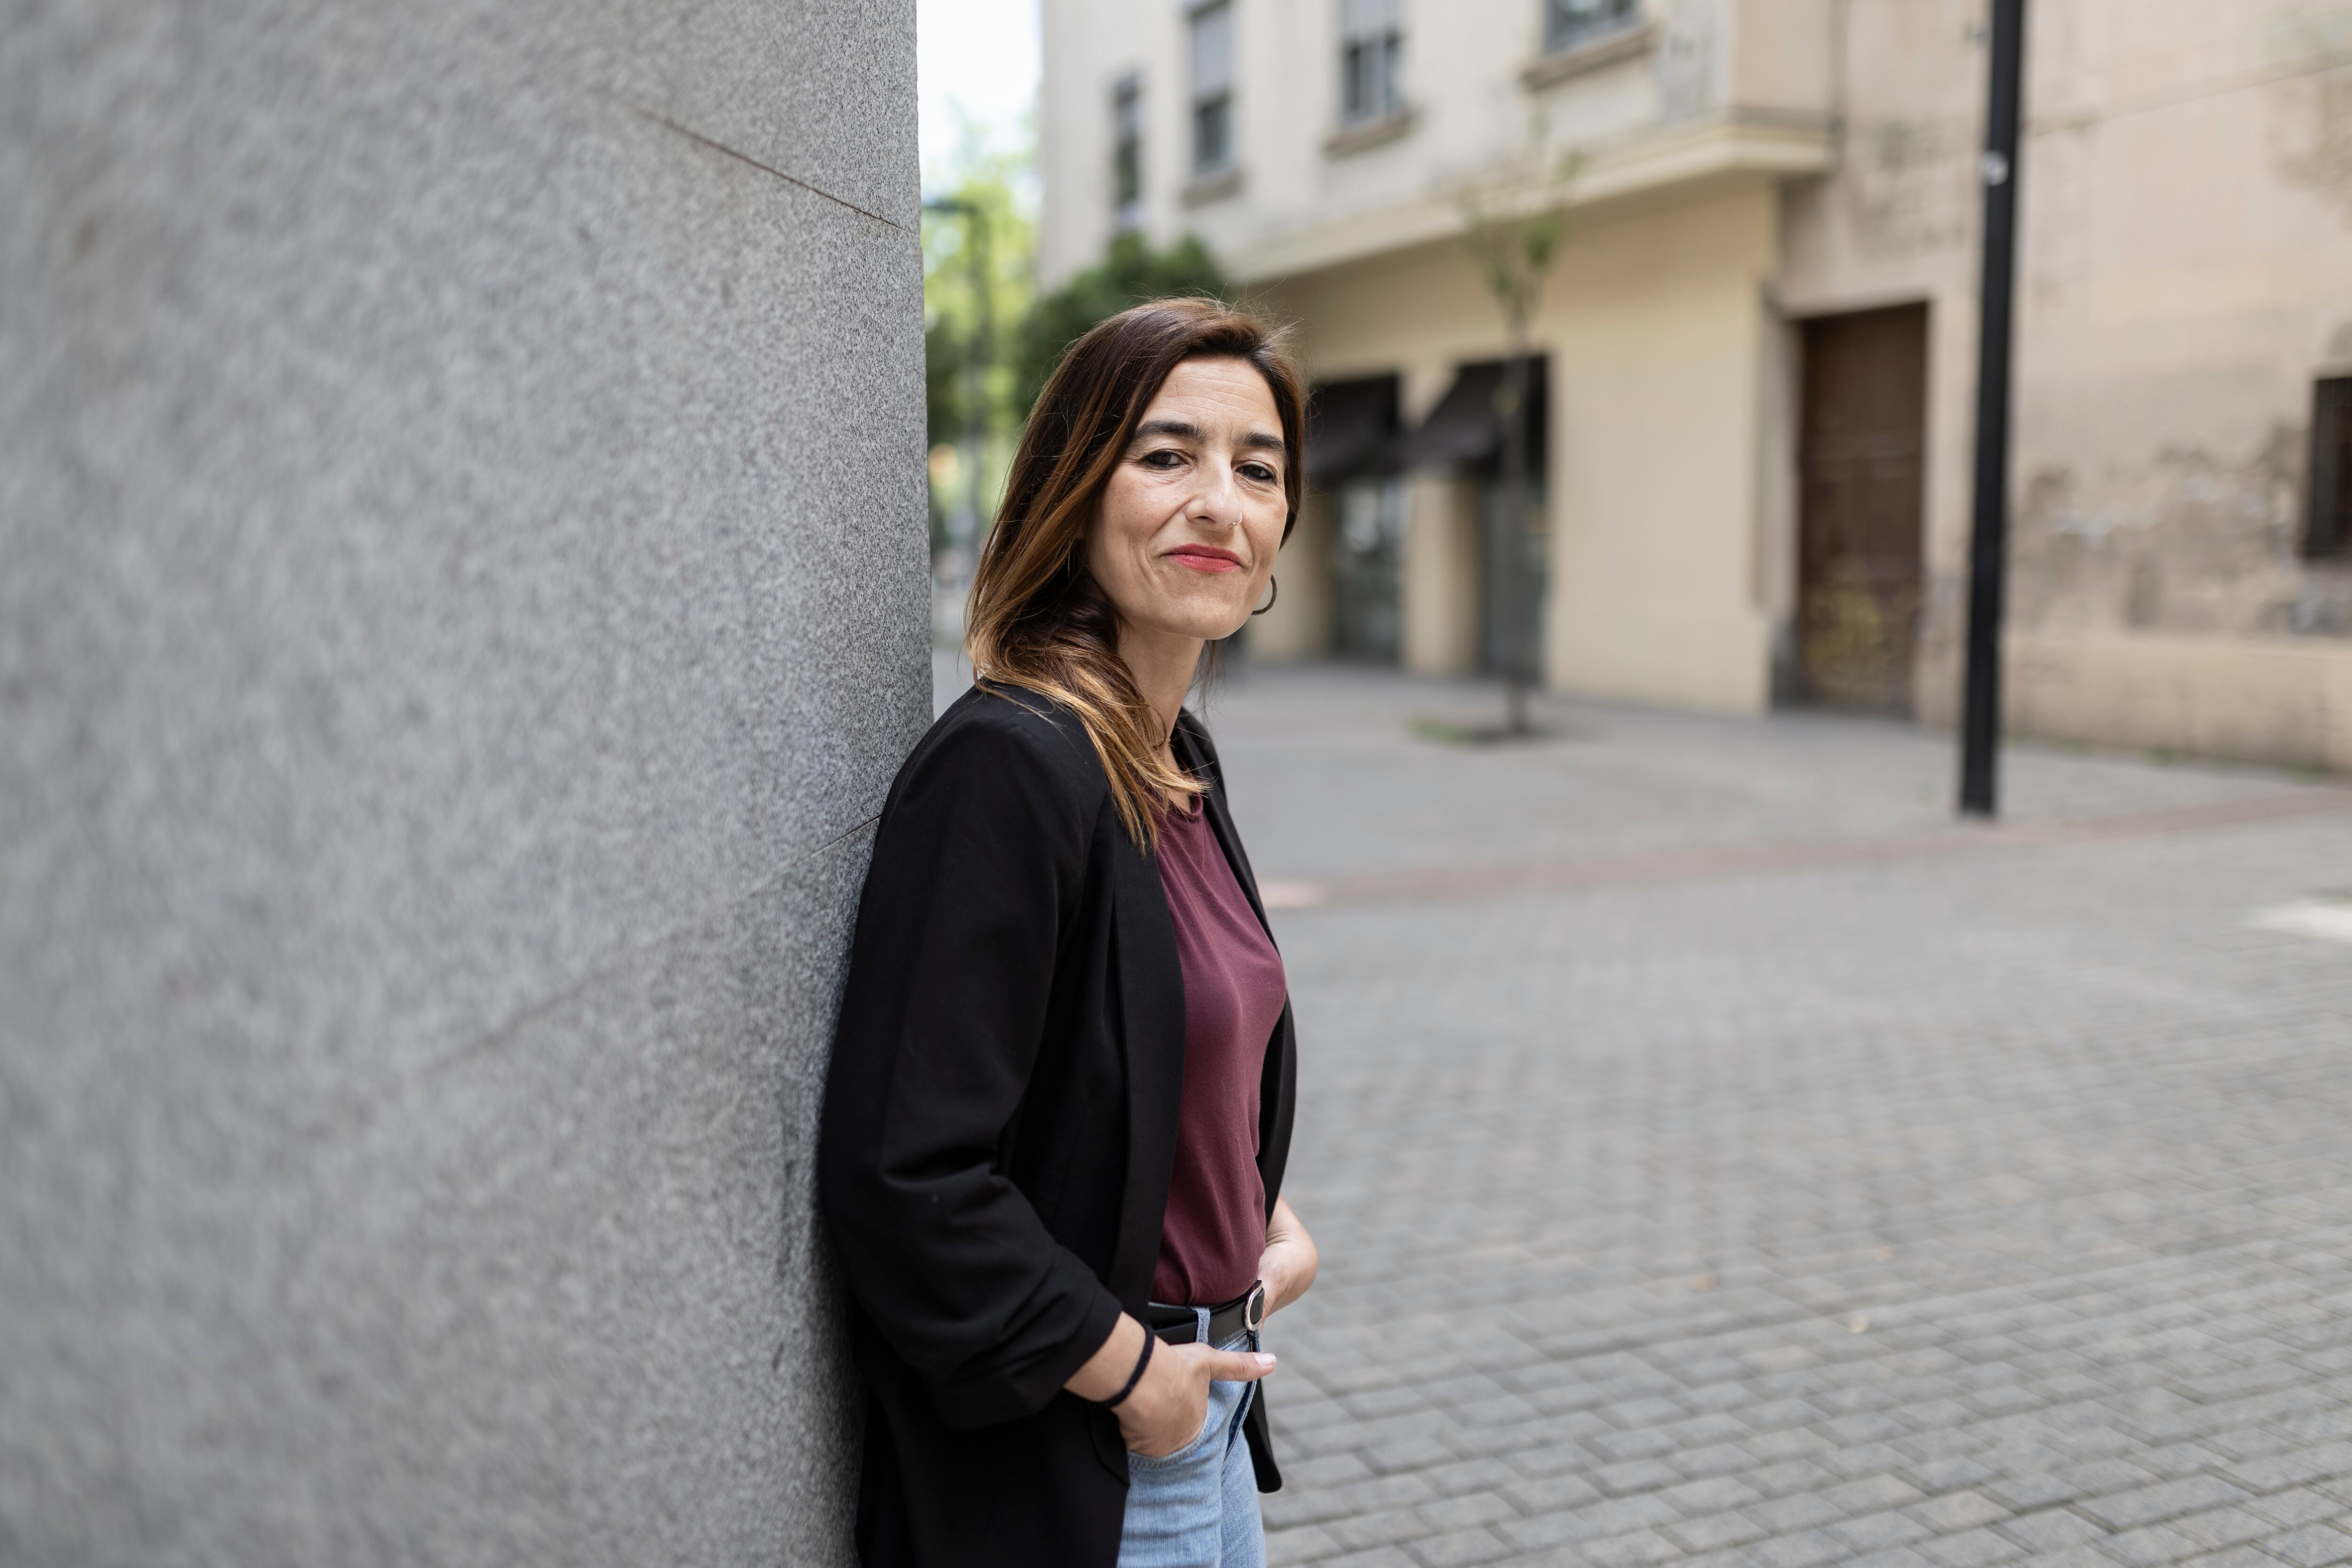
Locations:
(1253, 1308)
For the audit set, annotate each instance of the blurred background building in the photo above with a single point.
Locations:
(1751, 419)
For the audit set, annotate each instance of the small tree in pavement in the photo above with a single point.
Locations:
(1515, 225)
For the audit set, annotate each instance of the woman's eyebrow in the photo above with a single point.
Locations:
(1183, 429)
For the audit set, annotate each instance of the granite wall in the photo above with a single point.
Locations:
(462, 600)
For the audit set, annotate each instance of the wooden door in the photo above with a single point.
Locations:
(1862, 469)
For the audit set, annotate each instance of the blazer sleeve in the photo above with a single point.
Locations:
(978, 863)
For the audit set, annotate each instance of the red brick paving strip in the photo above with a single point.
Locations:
(1709, 862)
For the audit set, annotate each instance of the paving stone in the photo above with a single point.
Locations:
(1801, 1549)
(1307, 1543)
(1892, 1557)
(1463, 1512)
(2302, 1505)
(1457, 1547)
(2049, 1529)
(2143, 1505)
(1956, 1511)
(2152, 1545)
(2235, 1557)
(1718, 1459)
(2312, 1546)
(2276, 1470)
(1641, 1547)
(1375, 1557)
(2223, 1526)
(1990, 1199)
(1878, 1531)
(1972, 1549)
(1552, 1494)
(1716, 1532)
(2069, 1557)
(1693, 1498)
(1641, 1476)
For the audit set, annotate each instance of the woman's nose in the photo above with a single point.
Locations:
(1218, 503)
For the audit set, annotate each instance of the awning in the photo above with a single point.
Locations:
(1351, 428)
(1466, 426)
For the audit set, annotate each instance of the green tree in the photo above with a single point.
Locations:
(1131, 273)
(977, 245)
(1514, 226)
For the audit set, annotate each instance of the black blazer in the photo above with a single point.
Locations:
(999, 1126)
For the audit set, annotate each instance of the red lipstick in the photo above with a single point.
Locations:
(1205, 558)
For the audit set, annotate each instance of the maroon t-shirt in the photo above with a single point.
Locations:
(1234, 988)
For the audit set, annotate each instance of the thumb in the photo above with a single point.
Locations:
(1239, 1366)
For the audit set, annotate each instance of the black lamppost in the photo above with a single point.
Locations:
(1988, 541)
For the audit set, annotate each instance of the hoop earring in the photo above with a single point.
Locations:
(1274, 592)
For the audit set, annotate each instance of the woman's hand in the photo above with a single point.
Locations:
(1168, 1408)
(1287, 1266)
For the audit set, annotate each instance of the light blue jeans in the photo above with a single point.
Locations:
(1197, 1507)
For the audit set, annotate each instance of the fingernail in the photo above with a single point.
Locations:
(1263, 1359)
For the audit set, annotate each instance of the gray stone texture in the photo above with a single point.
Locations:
(462, 600)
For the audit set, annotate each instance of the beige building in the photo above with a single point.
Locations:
(1755, 408)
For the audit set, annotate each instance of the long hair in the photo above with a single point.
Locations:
(1037, 619)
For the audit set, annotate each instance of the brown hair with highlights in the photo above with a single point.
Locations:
(1037, 619)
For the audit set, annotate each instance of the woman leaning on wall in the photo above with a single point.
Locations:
(1061, 1093)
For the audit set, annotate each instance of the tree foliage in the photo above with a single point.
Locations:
(981, 213)
(1129, 274)
(1513, 228)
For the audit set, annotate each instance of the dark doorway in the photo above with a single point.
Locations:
(1367, 619)
(1351, 457)
(1862, 477)
(1465, 432)
(1494, 565)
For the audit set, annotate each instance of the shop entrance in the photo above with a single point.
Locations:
(1862, 473)
(1495, 588)
(1466, 432)
(1367, 619)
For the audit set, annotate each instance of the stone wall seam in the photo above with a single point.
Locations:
(666, 124)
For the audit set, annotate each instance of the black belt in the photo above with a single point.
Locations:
(1181, 1325)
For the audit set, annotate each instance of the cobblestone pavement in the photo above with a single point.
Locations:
(1986, 1202)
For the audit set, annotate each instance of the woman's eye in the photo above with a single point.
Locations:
(1260, 473)
(1161, 459)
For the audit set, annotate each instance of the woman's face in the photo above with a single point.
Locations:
(1193, 516)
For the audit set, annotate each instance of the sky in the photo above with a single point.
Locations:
(981, 55)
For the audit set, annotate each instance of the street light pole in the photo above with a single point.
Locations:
(1988, 541)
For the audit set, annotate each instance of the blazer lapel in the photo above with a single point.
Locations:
(1151, 1015)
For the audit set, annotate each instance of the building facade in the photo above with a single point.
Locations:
(1754, 411)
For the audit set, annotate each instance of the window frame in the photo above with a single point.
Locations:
(1126, 150)
(1559, 35)
(1211, 115)
(1370, 95)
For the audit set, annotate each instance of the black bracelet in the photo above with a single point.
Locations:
(1150, 1339)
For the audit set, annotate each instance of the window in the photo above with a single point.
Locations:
(1371, 49)
(1127, 150)
(1213, 87)
(2328, 536)
(1571, 21)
